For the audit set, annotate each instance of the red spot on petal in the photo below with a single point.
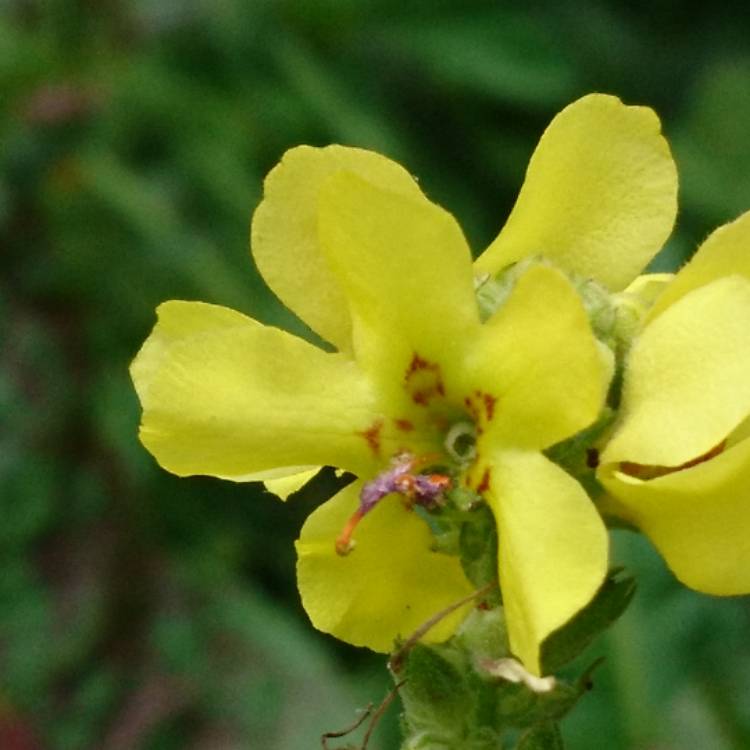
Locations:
(471, 407)
(404, 425)
(372, 436)
(481, 407)
(423, 380)
(484, 484)
(416, 364)
(489, 405)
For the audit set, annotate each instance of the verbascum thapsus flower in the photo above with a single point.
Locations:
(678, 462)
(349, 242)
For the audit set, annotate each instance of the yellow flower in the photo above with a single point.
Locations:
(349, 242)
(678, 462)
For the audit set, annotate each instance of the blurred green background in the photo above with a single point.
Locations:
(138, 610)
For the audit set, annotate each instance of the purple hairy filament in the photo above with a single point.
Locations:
(399, 478)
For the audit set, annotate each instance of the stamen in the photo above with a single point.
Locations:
(424, 489)
(344, 543)
(429, 487)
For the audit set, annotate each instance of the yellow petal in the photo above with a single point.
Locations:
(725, 252)
(687, 378)
(406, 270)
(698, 518)
(226, 396)
(283, 486)
(537, 372)
(600, 195)
(388, 586)
(271, 475)
(553, 547)
(284, 234)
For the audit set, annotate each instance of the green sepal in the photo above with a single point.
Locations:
(578, 456)
(480, 741)
(465, 526)
(436, 696)
(446, 532)
(452, 700)
(544, 736)
(462, 506)
(492, 291)
(566, 643)
(519, 707)
(462, 499)
(483, 635)
(600, 309)
(478, 549)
